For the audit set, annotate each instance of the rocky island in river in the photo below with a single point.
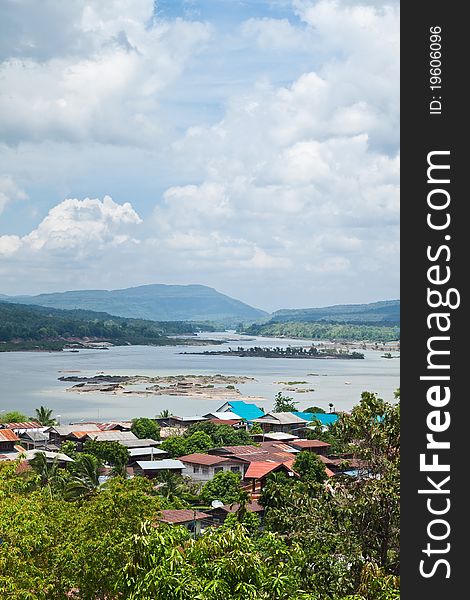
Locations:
(289, 352)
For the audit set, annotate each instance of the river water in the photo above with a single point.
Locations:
(30, 379)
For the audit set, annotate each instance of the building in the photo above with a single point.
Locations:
(257, 473)
(275, 436)
(145, 453)
(245, 410)
(325, 419)
(19, 428)
(219, 514)
(8, 441)
(108, 436)
(184, 422)
(34, 438)
(193, 520)
(203, 467)
(58, 434)
(151, 468)
(316, 446)
(285, 422)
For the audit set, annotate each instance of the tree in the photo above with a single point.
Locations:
(51, 476)
(13, 416)
(175, 445)
(164, 414)
(145, 428)
(256, 429)
(44, 416)
(224, 486)
(309, 467)
(112, 453)
(283, 403)
(198, 442)
(85, 479)
(314, 409)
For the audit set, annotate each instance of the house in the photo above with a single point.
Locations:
(107, 436)
(62, 459)
(151, 468)
(245, 410)
(58, 434)
(8, 441)
(145, 453)
(223, 416)
(325, 419)
(219, 514)
(184, 422)
(316, 446)
(19, 428)
(193, 520)
(257, 473)
(203, 467)
(34, 438)
(139, 443)
(275, 436)
(280, 421)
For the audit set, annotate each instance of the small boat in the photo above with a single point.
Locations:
(347, 383)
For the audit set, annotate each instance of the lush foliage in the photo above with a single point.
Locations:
(112, 453)
(224, 486)
(284, 403)
(13, 416)
(326, 331)
(21, 325)
(145, 428)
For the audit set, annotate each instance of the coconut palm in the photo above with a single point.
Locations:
(49, 472)
(44, 416)
(85, 480)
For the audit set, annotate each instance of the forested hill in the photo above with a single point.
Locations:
(28, 327)
(156, 302)
(377, 313)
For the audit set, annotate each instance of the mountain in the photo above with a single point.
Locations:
(386, 312)
(156, 302)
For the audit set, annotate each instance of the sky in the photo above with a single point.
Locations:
(248, 145)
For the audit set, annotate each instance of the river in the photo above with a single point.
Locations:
(30, 379)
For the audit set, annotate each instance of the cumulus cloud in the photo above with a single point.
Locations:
(290, 198)
(105, 85)
(76, 229)
(9, 191)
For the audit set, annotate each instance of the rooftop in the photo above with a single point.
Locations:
(260, 469)
(23, 425)
(182, 515)
(281, 418)
(7, 435)
(309, 444)
(246, 410)
(203, 459)
(160, 465)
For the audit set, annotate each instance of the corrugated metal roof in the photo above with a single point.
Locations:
(7, 435)
(324, 418)
(111, 436)
(281, 418)
(252, 506)
(203, 459)
(225, 416)
(138, 443)
(149, 450)
(309, 444)
(182, 515)
(158, 465)
(257, 470)
(246, 410)
(225, 421)
(280, 436)
(23, 425)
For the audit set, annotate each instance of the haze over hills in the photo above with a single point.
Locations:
(384, 312)
(155, 302)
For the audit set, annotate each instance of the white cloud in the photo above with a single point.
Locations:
(9, 192)
(76, 229)
(105, 89)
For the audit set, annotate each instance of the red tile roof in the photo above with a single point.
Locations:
(329, 472)
(309, 444)
(203, 459)
(182, 516)
(7, 435)
(260, 469)
(79, 434)
(240, 450)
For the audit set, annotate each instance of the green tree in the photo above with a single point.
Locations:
(85, 478)
(51, 476)
(314, 409)
(175, 446)
(112, 453)
(13, 416)
(224, 486)
(145, 428)
(198, 442)
(284, 403)
(309, 467)
(44, 416)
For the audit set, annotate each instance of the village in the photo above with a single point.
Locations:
(271, 444)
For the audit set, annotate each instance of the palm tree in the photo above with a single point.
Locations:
(85, 480)
(164, 414)
(50, 475)
(44, 416)
(331, 406)
(243, 501)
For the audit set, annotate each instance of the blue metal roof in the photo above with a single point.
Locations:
(245, 410)
(324, 418)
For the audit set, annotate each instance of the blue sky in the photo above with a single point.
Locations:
(248, 145)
